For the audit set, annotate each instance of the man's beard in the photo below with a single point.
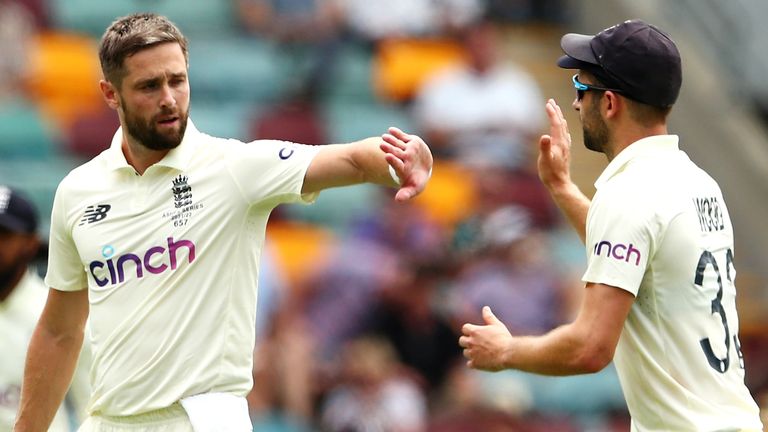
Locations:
(595, 131)
(10, 275)
(147, 134)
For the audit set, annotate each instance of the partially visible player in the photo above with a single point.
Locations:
(660, 280)
(22, 297)
(157, 241)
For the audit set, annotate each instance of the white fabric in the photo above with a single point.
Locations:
(488, 118)
(18, 318)
(500, 99)
(648, 232)
(217, 412)
(172, 264)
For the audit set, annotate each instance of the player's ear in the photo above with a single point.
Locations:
(612, 104)
(109, 92)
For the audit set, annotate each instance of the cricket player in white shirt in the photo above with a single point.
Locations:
(660, 280)
(157, 241)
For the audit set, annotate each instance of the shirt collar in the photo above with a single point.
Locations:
(177, 158)
(649, 145)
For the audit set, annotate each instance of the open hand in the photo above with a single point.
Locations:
(411, 159)
(555, 149)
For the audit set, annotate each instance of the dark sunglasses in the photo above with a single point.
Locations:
(582, 88)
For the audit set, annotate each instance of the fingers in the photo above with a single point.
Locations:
(400, 134)
(464, 342)
(391, 149)
(394, 141)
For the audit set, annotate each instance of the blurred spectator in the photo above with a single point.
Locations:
(90, 133)
(40, 11)
(297, 118)
(17, 28)
(526, 11)
(289, 20)
(374, 393)
(479, 401)
(408, 315)
(510, 269)
(308, 30)
(485, 107)
(337, 298)
(284, 375)
(376, 20)
(22, 297)
(413, 42)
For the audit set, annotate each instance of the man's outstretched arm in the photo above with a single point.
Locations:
(51, 358)
(584, 346)
(371, 161)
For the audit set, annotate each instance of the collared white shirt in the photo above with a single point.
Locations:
(170, 259)
(658, 227)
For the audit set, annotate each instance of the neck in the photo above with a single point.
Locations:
(139, 156)
(631, 134)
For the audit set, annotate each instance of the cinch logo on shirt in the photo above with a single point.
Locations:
(617, 251)
(116, 267)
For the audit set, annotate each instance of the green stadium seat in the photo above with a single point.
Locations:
(351, 76)
(337, 208)
(192, 17)
(25, 133)
(38, 179)
(225, 120)
(236, 69)
(349, 122)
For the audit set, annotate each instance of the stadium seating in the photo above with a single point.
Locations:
(94, 16)
(25, 133)
(64, 75)
(351, 121)
(236, 69)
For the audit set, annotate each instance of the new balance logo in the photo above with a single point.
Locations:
(182, 192)
(95, 213)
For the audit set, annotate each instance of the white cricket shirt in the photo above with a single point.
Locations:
(658, 227)
(18, 318)
(170, 259)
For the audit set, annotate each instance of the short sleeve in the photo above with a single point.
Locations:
(65, 268)
(621, 234)
(271, 170)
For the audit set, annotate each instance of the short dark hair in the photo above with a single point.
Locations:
(132, 33)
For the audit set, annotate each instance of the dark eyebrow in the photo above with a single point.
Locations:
(143, 82)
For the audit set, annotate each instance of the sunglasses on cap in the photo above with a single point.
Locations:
(582, 88)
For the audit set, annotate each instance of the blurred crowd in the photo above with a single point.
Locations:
(361, 299)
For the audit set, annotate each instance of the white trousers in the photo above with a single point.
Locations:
(171, 419)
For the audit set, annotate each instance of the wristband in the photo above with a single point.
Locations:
(394, 175)
(397, 179)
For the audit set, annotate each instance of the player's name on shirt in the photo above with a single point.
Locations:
(711, 217)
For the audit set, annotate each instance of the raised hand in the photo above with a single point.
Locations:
(486, 346)
(555, 149)
(411, 159)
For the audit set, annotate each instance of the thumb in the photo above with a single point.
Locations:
(489, 317)
(404, 194)
(545, 143)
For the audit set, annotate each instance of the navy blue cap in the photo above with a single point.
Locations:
(634, 57)
(17, 214)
